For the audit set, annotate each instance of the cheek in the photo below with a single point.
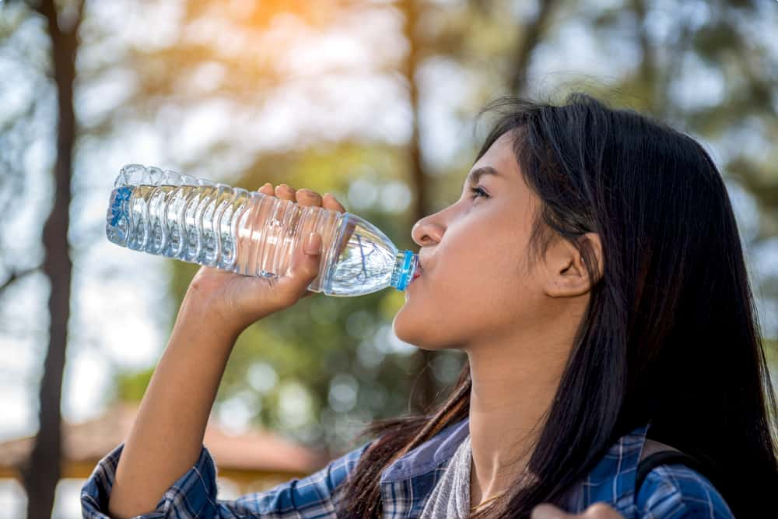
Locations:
(483, 290)
(492, 288)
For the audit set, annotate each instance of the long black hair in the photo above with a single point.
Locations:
(670, 334)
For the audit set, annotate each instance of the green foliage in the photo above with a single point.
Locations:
(705, 67)
(319, 339)
(130, 386)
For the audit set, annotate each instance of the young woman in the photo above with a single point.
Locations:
(592, 272)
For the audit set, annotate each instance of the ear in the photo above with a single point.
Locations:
(566, 274)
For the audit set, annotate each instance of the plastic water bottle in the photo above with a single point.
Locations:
(247, 232)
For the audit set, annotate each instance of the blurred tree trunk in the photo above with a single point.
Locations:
(419, 185)
(531, 36)
(43, 468)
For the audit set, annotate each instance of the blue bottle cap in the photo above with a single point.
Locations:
(403, 277)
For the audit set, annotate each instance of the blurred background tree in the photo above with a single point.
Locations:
(42, 472)
(373, 101)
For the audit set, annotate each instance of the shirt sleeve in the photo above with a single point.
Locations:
(675, 491)
(194, 494)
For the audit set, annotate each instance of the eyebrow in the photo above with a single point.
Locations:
(476, 174)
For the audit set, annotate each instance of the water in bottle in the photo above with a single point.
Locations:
(247, 232)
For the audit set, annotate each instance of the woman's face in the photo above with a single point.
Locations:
(476, 286)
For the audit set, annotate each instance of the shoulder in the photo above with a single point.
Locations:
(194, 494)
(674, 490)
(316, 495)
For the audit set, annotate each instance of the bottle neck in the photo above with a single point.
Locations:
(405, 265)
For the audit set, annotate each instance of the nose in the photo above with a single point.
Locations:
(427, 231)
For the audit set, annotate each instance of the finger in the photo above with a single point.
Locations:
(548, 511)
(306, 197)
(330, 202)
(285, 192)
(303, 270)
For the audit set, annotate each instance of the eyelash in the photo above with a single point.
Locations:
(478, 191)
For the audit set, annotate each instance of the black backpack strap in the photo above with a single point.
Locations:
(652, 461)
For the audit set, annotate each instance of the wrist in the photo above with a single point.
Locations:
(203, 321)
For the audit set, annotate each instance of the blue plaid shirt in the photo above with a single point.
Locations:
(669, 491)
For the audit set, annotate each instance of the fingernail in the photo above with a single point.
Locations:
(313, 244)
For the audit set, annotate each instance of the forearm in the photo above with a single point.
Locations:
(167, 435)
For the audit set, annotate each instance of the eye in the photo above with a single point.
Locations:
(478, 192)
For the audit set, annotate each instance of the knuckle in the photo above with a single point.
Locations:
(308, 195)
(334, 202)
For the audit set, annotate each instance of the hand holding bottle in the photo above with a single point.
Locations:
(211, 224)
(235, 301)
(252, 233)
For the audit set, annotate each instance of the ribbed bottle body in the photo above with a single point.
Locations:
(247, 232)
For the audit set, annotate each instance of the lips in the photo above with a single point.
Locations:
(419, 271)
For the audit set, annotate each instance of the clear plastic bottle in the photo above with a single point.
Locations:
(247, 232)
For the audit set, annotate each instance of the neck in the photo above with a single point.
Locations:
(510, 395)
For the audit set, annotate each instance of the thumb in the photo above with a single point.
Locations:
(303, 269)
(547, 511)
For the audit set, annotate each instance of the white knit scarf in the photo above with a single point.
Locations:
(450, 499)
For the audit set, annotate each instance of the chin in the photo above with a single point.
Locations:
(413, 330)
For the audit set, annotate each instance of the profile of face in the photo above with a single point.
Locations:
(478, 288)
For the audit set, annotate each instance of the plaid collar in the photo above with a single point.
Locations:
(407, 482)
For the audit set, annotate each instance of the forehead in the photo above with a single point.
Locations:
(501, 157)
